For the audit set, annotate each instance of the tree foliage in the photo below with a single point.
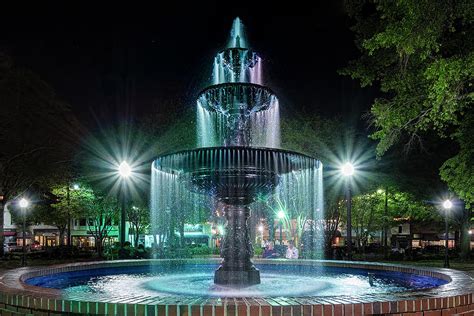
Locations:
(72, 203)
(369, 217)
(38, 133)
(102, 213)
(139, 219)
(420, 54)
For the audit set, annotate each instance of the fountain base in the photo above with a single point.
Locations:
(243, 278)
(237, 268)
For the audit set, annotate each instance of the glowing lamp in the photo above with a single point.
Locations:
(347, 169)
(281, 214)
(447, 204)
(124, 169)
(24, 203)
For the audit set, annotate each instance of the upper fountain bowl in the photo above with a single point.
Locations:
(237, 98)
(233, 174)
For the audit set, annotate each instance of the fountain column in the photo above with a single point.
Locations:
(236, 267)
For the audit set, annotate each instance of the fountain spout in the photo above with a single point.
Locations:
(237, 41)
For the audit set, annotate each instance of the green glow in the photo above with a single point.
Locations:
(221, 230)
(281, 214)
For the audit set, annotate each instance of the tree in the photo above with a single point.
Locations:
(139, 219)
(458, 172)
(72, 203)
(38, 133)
(421, 54)
(102, 213)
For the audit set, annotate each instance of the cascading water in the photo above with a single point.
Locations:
(238, 168)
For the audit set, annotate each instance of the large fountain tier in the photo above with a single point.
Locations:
(233, 174)
(237, 98)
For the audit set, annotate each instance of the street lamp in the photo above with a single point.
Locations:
(447, 205)
(347, 171)
(281, 216)
(124, 171)
(24, 203)
(385, 215)
(75, 187)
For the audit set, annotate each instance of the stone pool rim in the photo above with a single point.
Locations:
(14, 291)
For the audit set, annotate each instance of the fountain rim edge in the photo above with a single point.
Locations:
(237, 83)
(257, 148)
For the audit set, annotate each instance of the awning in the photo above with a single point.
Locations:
(20, 235)
(49, 235)
(9, 233)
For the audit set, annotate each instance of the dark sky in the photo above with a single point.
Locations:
(163, 55)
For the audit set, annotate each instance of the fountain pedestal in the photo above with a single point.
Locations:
(236, 267)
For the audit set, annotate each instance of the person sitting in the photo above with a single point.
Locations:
(270, 252)
(291, 251)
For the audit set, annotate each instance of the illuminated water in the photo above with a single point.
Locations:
(197, 280)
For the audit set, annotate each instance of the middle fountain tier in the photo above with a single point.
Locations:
(235, 176)
(239, 160)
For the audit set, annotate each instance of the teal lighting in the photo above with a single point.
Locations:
(281, 214)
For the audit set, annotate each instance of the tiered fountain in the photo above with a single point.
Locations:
(238, 167)
(238, 121)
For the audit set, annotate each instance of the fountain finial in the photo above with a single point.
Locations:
(237, 35)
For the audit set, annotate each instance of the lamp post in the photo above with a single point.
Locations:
(281, 216)
(347, 171)
(24, 204)
(125, 171)
(447, 205)
(75, 186)
(385, 215)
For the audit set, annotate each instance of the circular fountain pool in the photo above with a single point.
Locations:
(185, 287)
(197, 279)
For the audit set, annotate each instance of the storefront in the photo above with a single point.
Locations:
(88, 241)
(47, 237)
(28, 238)
(432, 240)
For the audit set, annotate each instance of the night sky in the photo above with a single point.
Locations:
(162, 57)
